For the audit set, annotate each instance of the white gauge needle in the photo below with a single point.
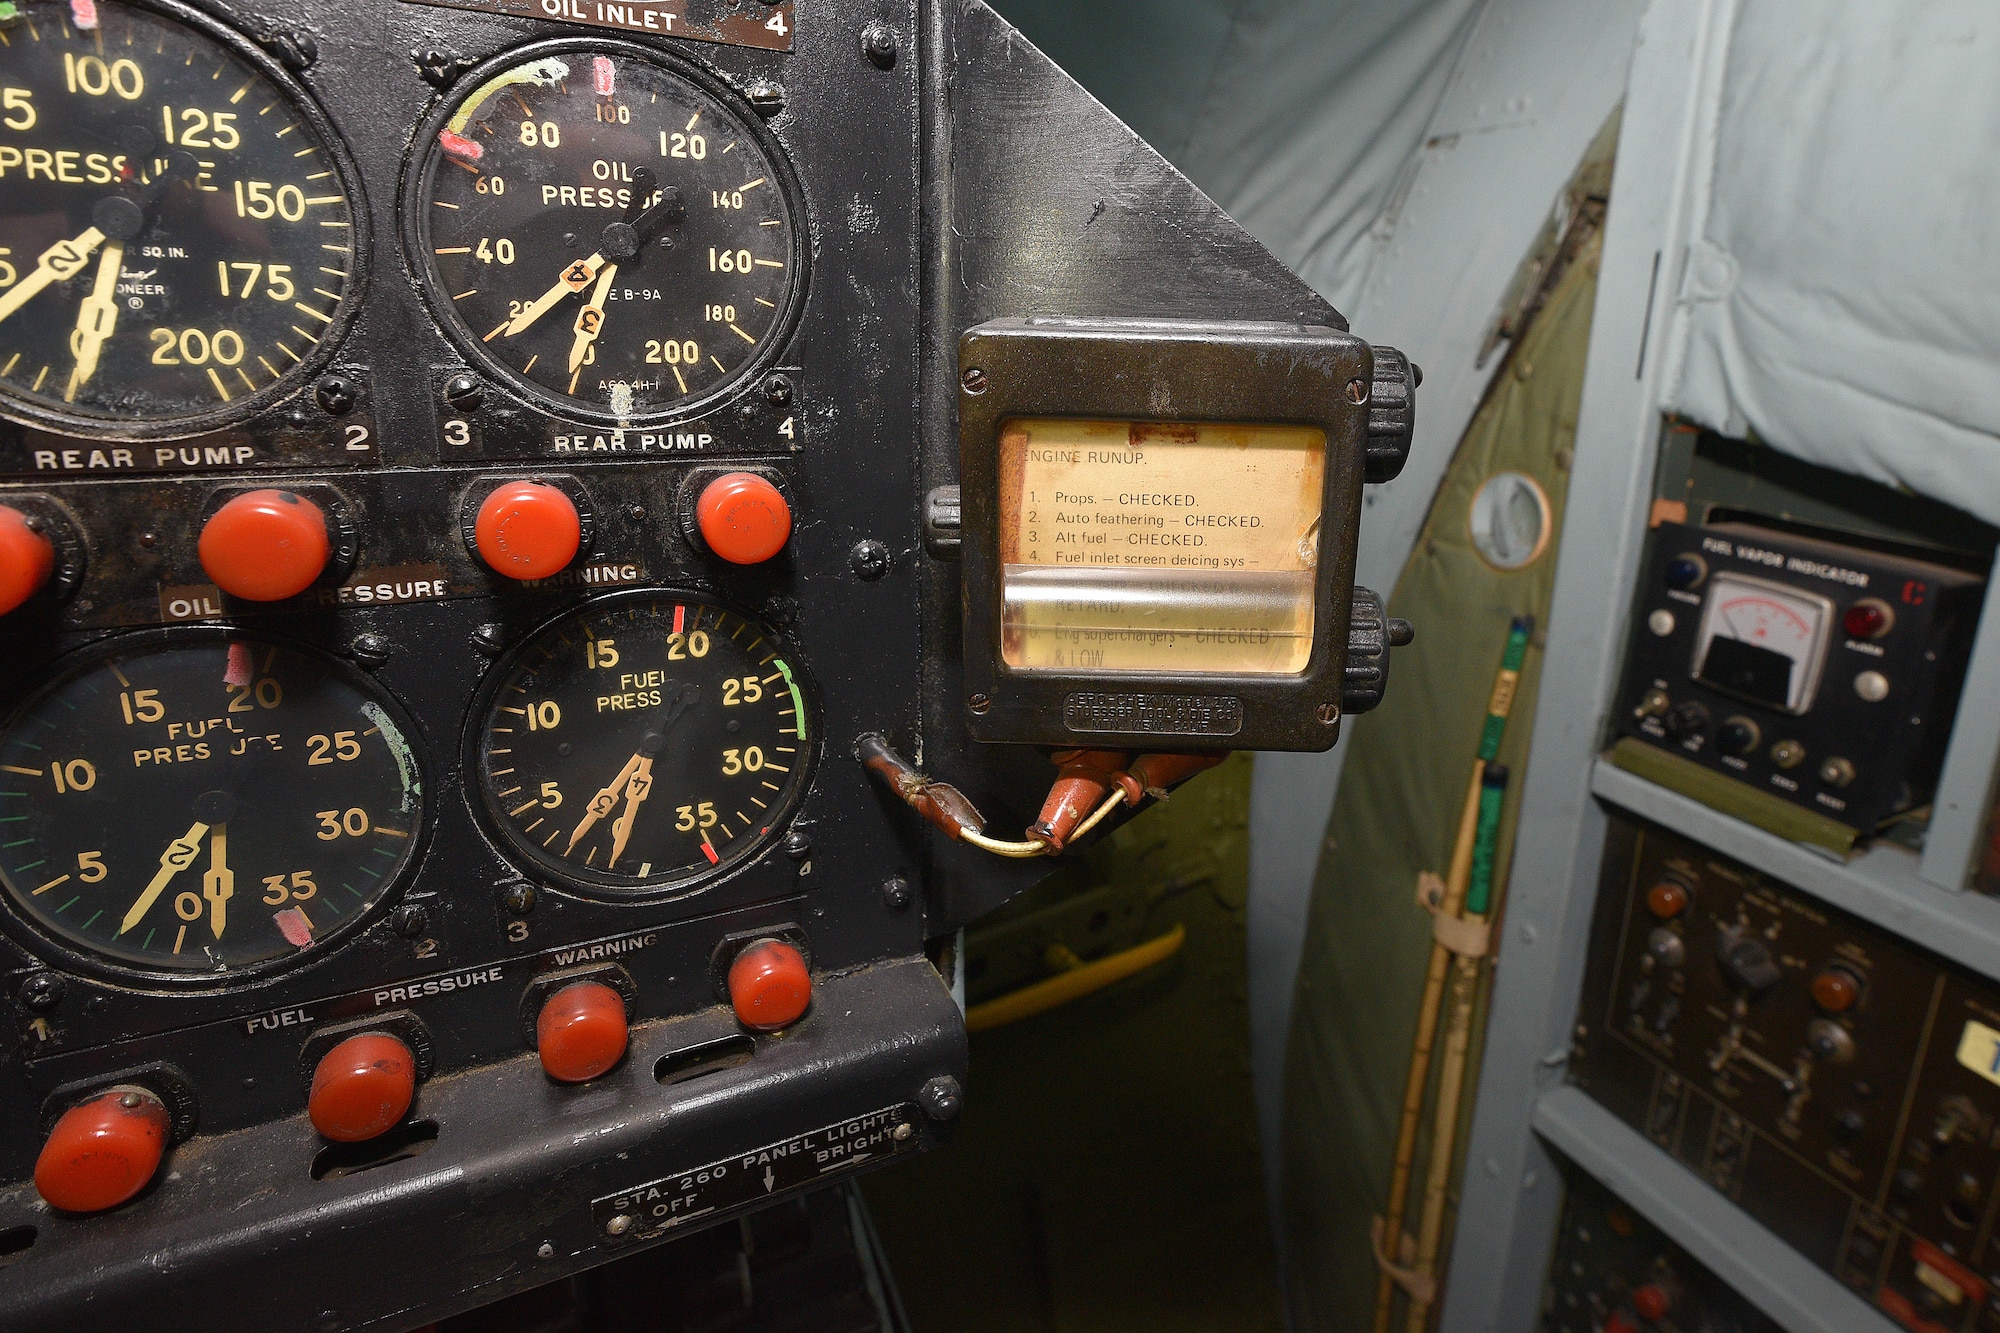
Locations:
(589, 323)
(59, 263)
(96, 320)
(219, 884)
(574, 279)
(180, 854)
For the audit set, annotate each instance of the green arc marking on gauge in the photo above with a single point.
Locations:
(798, 704)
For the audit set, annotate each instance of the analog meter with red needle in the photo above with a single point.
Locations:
(1763, 641)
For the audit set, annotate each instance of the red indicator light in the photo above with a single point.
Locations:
(1869, 619)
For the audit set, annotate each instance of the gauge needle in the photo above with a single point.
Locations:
(574, 279)
(59, 263)
(219, 884)
(636, 790)
(180, 854)
(96, 320)
(602, 803)
(589, 323)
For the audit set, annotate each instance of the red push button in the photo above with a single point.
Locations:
(265, 546)
(103, 1151)
(581, 1031)
(27, 558)
(362, 1087)
(743, 518)
(1653, 1302)
(769, 985)
(527, 530)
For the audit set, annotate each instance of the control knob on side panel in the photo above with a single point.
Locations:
(1392, 415)
(1687, 721)
(103, 1150)
(1371, 633)
(27, 559)
(265, 545)
(1747, 962)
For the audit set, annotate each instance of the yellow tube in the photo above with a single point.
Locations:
(1073, 984)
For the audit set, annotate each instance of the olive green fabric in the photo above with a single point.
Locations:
(1367, 941)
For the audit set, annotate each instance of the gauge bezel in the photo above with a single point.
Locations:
(622, 891)
(331, 342)
(420, 169)
(56, 952)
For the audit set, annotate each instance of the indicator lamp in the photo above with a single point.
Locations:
(103, 1151)
(265, 545)
(27, 559)
(769, 985)
(362, 1087)
(1686, 571)
(1868, 619)
(1667, 899)
(527, 530)
(743, 518)
(581, 1032)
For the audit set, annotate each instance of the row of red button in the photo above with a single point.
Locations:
(267, 545)
(104, 1150)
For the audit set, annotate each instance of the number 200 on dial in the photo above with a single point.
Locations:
(645, 742)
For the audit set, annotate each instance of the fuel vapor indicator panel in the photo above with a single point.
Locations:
(177, 237)
(607, 233)
(204, 806)
(645, 743)
(1146, 546)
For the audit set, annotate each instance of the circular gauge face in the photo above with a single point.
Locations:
(176, 240)
(201, 806)
(644, 743)
(607, 233)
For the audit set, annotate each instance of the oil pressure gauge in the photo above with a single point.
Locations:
(204, 805)
(645, 742)
(177, 237)
(608, 232)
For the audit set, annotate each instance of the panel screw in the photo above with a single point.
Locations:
(777, 390)
(96, 1004)
(974, 380)
(798, 846)
(518, 898)
(335, 394)
(463, 392)
(896, 892)
(44, 990)
(130, 1101)
(878, 43)
(746, 411)
(1328, 713)
(546, 1251)
(869, 559)
(904, 1130)
(767, 99)
(409, 921)
(941, 1098)
(619, 1225)
(370, 650)
(1357, 392)
(489, 639)
(979, 703)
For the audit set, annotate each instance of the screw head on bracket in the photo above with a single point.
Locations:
(43, 990)
(979, 703)
(464, 393)
(896, 892)
(878, 43)
(518, 897)
(490, 639)
(869, 559)
(797, 845)
(942, 1098)
(973, 380)
(370, 650)
(410, 920)
(335, 395)
(777, 390)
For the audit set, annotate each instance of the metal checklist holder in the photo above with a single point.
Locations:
(1526, 1121)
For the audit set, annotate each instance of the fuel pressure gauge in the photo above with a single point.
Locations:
(204, 805)
(610, 233)
(645, 742)
(177, 237)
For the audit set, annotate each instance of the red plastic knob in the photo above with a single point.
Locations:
(265, 546)
(1652, 1302)
(527, 530)
(103, 1151)
(27, 558)
(581, 1031)
(744, 519)
(1667, 899)
(1835, 990)
(769, 985)
(1620, 1323)
(362, 1087)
